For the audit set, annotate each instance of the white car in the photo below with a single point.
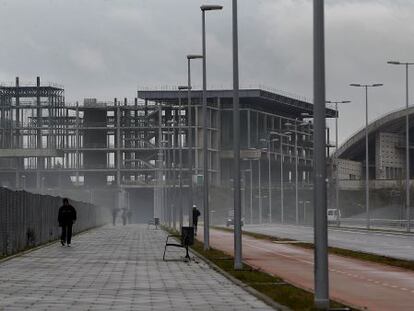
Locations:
(230, 219)
(334, 216)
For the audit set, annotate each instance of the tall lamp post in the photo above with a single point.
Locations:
(336, 148)
(282, 208)
(190, 137)
(236, 143)
(180, 156)
(366, 87)
(269, 174)
(321, 298)
(204, 9)
(295, 130)
(248, 170)
(164, 181)
(407, 143)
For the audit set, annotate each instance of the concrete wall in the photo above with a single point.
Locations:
(389, 159)
(349, 170)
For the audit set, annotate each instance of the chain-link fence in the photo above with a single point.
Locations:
(28, 219)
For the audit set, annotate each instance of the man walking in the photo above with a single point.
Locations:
(66, 218)
(196, 214)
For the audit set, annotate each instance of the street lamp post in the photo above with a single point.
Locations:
(162, 201)
(269, 142)
(180, 156)
(204, 9)
(407, 143)
(295, 130)
(245, 191)
(251, 192)
(366, 86)
(336, 148)
(296, 175)
(282, 209)
(321, 278)
(190, 137)
(260, 188)
(168, 173)
(236, 144)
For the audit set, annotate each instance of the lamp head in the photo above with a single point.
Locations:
(211, 7)
(194, 56)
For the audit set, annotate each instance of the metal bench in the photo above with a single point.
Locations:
(154, 222)
(186, 240)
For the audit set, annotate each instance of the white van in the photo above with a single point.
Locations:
(334, 216)
(230, 219)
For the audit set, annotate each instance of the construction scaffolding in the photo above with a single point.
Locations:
(120, 151)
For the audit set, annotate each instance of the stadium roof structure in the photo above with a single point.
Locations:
(394, 122)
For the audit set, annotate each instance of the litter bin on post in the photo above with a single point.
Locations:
(187, 239)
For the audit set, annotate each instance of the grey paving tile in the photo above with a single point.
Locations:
(116, 268)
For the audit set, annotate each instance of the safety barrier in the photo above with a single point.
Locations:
(28, 219)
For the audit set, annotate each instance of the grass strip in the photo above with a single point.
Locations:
(272, 286)
(395, 262)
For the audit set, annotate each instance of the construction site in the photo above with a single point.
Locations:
(146, 155)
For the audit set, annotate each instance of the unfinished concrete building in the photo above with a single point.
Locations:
(134, 154)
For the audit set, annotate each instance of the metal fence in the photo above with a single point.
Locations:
(28, 219)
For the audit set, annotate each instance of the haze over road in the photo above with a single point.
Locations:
(390, 244)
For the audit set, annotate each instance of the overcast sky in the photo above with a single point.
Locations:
(108, 48)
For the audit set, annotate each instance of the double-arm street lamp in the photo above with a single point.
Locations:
(204, 9)
(407, 142)
(366, 87)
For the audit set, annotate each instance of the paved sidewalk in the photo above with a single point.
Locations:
(116, 268)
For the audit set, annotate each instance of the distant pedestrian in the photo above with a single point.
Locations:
(66, 218)
(196, 214)
(129, 215)
(114, 213)
(124, 216)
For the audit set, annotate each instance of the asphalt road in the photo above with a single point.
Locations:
(365, 285)
(391, 244)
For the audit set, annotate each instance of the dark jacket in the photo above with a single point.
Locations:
(67, 215)
(196, 214)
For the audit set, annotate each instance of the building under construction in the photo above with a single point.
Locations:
(136, 154)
